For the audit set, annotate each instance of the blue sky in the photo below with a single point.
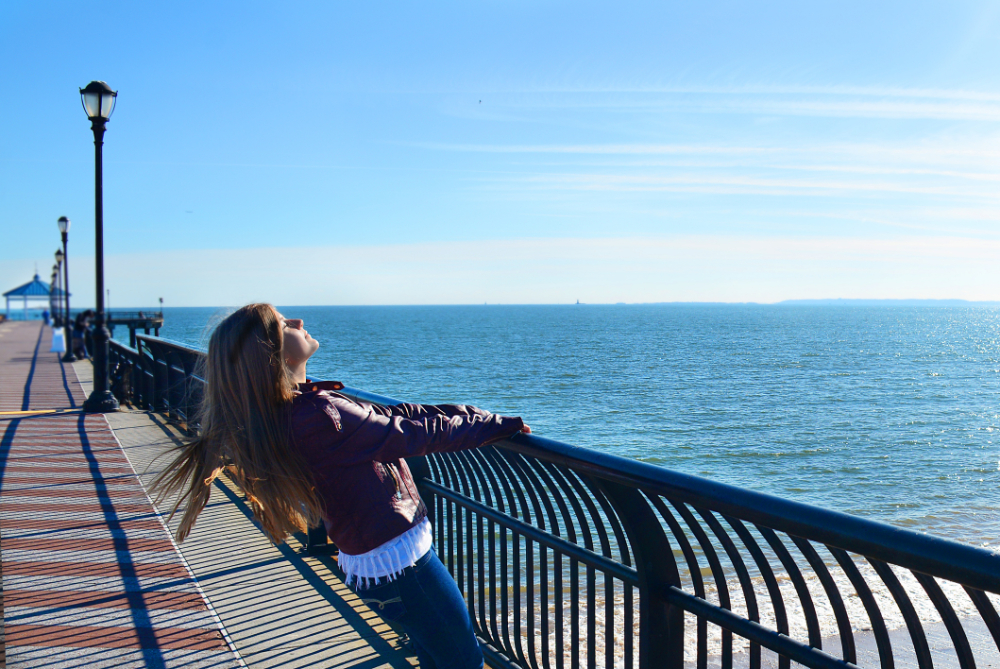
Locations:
(355, 153)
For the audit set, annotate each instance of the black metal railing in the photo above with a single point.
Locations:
(160, 375)
(572, 558)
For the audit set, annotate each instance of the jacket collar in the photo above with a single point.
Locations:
(316, 386)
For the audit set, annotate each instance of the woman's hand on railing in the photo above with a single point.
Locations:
(525, 429)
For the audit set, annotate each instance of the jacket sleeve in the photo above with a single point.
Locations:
(366, 432)
(418, 411)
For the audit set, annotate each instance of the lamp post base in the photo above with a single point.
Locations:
(101, 402)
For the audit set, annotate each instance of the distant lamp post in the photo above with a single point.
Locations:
(99, 102)
(63, 223)
(57, 286)
(54, 295)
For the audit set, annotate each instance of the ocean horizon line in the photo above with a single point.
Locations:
(836, 301)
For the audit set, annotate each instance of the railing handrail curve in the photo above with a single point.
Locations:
(163, 341)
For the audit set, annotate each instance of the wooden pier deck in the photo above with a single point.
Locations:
(91, 577)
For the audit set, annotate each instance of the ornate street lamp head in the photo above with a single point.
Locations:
(63, 224)
(59, 256)
(98, 100)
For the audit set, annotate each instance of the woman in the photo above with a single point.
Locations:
(301, 452)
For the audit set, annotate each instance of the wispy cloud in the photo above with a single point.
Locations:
(823, 101)
(936, 169)
(785, 90)
(984, 148)
(738, 184)
(595, 149)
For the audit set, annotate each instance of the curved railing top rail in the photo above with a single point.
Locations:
(923, 553)
(170, 343)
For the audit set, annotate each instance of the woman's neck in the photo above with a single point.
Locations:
(298, 372)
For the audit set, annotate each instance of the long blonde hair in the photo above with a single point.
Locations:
(245, 417)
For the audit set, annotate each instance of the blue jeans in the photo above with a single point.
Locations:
(426, 603)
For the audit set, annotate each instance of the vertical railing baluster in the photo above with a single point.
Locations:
(844, 630)
(476, 561)
(161, 379)
(504, 461)
(868, 600)
(610, 515)
(190, 403)
(910, 616)
(987, 612)
(556, 483)
(694, 568)
(746, 583)
(966, 660)
(539, 521)
(540, 480)
(501, 473)
(487, 480)
(661, 625)
(718, 575)
(764, 567)
(801, 589)
(578, 498)
(586, 493)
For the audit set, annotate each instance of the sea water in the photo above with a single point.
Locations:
(889, 413)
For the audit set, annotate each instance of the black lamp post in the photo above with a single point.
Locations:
(57, 287)
(99, 101)
(63, 223)
(54, 295)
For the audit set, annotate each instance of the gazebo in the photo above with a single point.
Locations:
(34, 290)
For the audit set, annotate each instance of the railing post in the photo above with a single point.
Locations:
(117, 363)
(146, 381)
(134, 379)
(661, 625)
(112, 367)
(175, 386)
(190, 405)
(161, 380)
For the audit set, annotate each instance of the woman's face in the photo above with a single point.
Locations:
(297, 346)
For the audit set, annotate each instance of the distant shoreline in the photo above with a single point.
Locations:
(836, 302)
(889, 303)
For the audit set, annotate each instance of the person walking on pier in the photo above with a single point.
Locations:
(302, 452)
(81, 330)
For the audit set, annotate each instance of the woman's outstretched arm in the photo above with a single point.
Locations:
(350, 433)
(417, 411)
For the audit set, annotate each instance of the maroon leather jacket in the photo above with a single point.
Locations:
(355, 450)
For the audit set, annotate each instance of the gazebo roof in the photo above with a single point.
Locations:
(33, 288)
